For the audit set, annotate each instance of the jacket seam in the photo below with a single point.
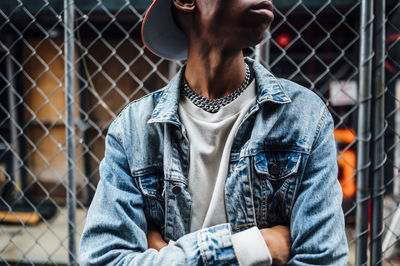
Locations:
(319, 127)
(141, 99)
(119, 139)
(277, 81)
(202, 251)
(153, 169)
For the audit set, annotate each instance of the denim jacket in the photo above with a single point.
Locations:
(282, 171)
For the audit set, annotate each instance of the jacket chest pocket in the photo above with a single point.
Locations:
(152, 188)
(274, 183)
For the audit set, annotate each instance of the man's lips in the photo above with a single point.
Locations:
(263, 8)
(267, 5)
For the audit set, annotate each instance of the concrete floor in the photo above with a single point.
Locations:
(46, 242)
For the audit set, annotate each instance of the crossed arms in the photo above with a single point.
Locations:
(116, 231)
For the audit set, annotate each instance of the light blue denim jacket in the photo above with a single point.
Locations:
(282, 171)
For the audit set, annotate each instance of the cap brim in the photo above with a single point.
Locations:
(160, 33)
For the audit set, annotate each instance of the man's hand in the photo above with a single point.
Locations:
(278, 242)
(154, 238)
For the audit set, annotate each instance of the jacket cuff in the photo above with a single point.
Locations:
(250, 248)
(216, 245)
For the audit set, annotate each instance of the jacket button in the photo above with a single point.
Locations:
(176, 190)
(178, 134)
(274, 169)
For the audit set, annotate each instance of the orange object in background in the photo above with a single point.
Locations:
(345, 136)
(346, 162)
(19, 217)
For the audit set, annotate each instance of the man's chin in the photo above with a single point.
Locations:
(256, 38)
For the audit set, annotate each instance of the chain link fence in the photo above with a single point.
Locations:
(68, 68)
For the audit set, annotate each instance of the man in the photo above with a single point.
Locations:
(216, 167)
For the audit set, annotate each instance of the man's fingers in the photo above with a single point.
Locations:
(154, 238)
(278, 241)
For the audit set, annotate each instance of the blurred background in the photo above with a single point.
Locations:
(67, 68)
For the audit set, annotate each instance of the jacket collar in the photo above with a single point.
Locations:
(269, 90)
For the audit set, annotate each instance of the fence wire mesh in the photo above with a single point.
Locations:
(314, 43)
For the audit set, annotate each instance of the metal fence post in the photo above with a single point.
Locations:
(364, 134)
(70, 126)
(11, 91)
(378, 130)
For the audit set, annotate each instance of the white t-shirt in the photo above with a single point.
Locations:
(211, 136)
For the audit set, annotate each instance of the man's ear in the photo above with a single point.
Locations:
(184, 5)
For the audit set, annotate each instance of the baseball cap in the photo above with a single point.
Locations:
(161, 35)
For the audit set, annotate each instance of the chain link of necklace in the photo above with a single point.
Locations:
(213, 105)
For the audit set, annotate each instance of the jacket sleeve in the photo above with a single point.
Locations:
(115, 230)
(317, 220)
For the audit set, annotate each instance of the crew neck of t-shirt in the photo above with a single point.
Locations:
(225, 112)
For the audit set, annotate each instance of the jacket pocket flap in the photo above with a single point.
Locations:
(152, 185)
(276, 164)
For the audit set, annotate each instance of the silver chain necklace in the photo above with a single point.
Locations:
(213, 105)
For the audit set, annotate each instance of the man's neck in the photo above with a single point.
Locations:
(212, 73)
